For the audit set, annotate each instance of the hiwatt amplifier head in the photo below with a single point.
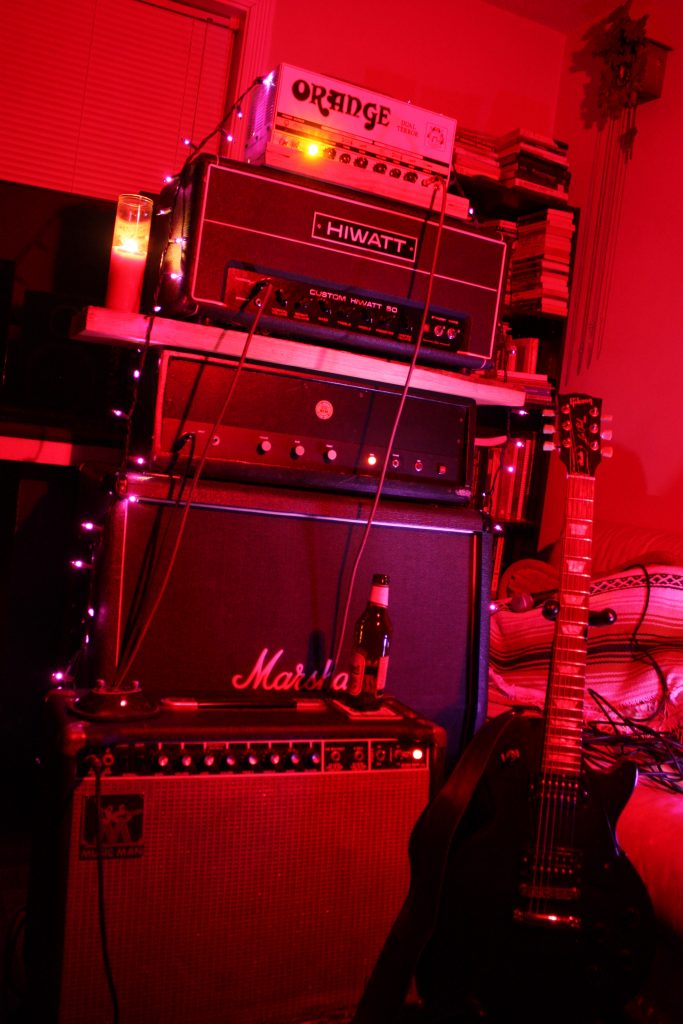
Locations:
(345, 270)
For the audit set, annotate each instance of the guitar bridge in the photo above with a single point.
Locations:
(547, 920)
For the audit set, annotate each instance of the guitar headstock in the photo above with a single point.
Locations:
(578, 429)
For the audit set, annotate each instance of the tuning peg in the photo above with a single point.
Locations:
(549, 446)
(548, 428)
(606, 435)
(607, 453)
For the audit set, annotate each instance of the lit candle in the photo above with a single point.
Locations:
(129, 253)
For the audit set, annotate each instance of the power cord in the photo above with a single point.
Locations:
(125, 663)
(390, 444)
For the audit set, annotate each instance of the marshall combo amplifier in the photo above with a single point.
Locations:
(241, 865)
(343, 269)
(285, 426)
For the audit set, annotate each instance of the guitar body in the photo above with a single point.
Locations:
(566, 941)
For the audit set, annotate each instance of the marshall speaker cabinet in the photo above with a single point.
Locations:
(229, 867)
(345, 268)
(254, 602)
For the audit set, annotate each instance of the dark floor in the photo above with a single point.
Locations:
(660, 1003)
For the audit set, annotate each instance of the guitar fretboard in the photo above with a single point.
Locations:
(562, 752)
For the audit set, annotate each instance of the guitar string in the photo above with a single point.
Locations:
(558, 804)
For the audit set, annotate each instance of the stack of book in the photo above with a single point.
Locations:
(540, 264)
(533, 161)
(475, 154)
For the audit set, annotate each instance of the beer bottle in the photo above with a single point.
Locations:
(372, 636)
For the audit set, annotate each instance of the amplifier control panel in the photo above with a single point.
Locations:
(256, 757)
(307, 307)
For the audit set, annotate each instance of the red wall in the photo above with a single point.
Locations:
(639, 371)
(489, 69)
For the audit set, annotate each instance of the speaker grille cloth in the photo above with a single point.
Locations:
(248, 900)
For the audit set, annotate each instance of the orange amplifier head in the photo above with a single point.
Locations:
(346, 270)
(310, 124)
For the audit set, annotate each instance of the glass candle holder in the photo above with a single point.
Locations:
(129, 253)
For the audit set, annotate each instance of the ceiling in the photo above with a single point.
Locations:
(564, 16)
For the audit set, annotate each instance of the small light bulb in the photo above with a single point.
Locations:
(136, 374)
(313, 149)
(240, 115)
(91, 612)
(187, 142)
(88, 526)
(418, 754)
(372, 460)
(132, 499)
(78, 563)
(58, 676)
(168, 179)
(229, 137)
(140, 460)
(120, 414)
(157, 309)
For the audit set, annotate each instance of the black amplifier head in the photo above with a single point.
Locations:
(345, 268)
(297, 428)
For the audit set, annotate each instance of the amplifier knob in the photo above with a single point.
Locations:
(361, 161)
(230, 761)
(163, 760)
(330, 455)
(345, 158)
(419, 465)
(209, 760)
(264, 446)
(252, 760)
(380, 168)
(295, 759)
(395, 172)
(186, 761)
(330, 152)
(274, 759)
(410, 176)
(298, 451)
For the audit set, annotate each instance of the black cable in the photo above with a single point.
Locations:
(126, 662)
(390, 444)
(642, 651)
(97, 768)
(657, 755)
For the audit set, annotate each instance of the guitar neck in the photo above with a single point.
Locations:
(562, 752)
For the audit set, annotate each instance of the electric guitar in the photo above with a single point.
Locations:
(541, 916)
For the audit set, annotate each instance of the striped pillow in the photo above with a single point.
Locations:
(636, 664)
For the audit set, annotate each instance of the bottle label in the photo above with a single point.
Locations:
(356, 674)
(382, 669)
(367, 675)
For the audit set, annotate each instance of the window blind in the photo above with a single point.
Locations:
(96, 97)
